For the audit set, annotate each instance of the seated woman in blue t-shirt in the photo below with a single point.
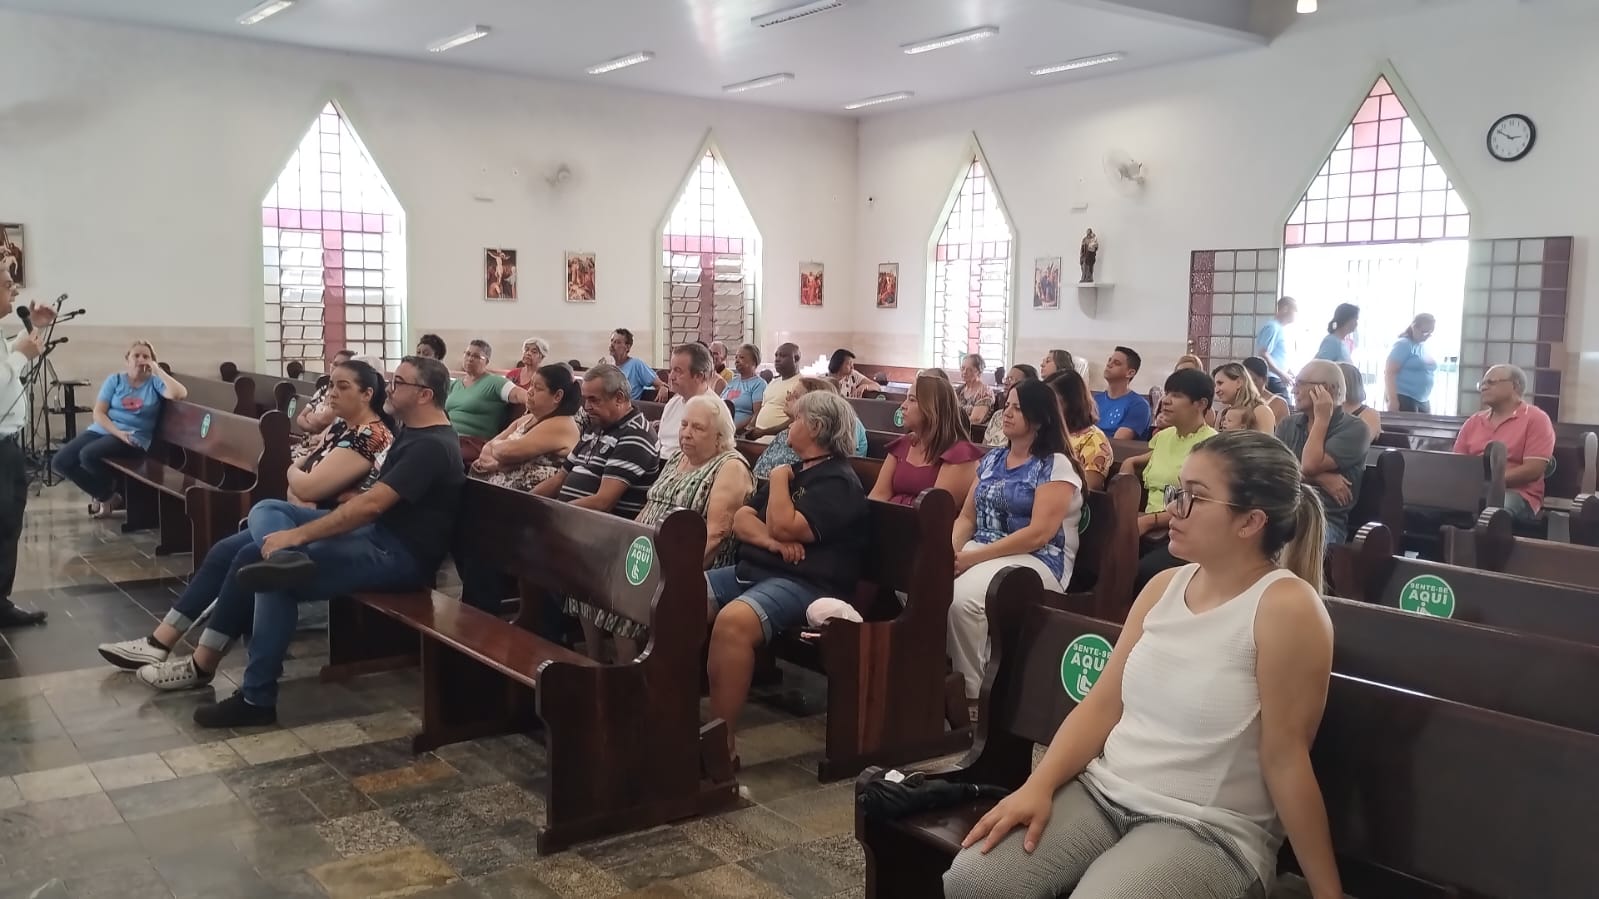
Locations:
(125, 415)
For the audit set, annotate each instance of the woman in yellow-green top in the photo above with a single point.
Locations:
(1186, 403)
(477, 402)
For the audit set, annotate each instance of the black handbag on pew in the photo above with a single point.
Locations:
(892, 794)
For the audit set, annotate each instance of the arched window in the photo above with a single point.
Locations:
(710, 257)
(333, 247)
(971, 273)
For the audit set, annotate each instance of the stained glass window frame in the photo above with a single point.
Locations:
(702, 250)
(333, 252)
(975, 192)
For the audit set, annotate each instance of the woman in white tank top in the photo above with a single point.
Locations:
(1189, 761)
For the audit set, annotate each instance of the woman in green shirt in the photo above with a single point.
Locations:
(1187, 400)
(478, 401)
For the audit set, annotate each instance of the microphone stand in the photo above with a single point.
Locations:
(37, 452)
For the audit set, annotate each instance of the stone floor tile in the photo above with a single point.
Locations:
(57, 783)
(797, 874)
(282, 808)
(743, 834)
(770, 781)
(331, 735)
(824, 812)
(131, 771)
(135, 880)
(392, 873)
(364, 834)
(775, 741)
(206, 758)
(206, 869)
(284, 850)
(422, 772)
(269, 747)
(225, 820)
(571, 876)
(55, 818)
(170, 796)
(640, 859)
(10, 795)
(392, 724)
(482, 857)
(726, 882)
(513, 883)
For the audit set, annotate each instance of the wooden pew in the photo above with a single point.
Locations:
(1410, 810)
(1493, 546)
(237, 397)
(204, 471)
(625, 744)
(878, 415)
(1107, 553)
(1381, 498)
(1584, 523)
(1575, 465)
(270, 392)
(1368, 571)
(877, 443)
(1441, 487)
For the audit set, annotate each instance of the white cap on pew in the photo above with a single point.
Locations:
(825, 608)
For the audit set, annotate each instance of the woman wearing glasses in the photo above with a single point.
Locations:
(1189, 761)
(478, 401)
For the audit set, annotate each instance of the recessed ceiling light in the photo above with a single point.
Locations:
(1080, 63)
(269, 8)
(880, 98)
(471, 34)
(621, 62)
(757, 83)
(950, 40)
(789, 14)
(1306, 7)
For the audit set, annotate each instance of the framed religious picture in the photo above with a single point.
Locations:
(1046, 283)
(499, 275)
(888, 285)
(580, 277)
(811, 284)
(11, 255)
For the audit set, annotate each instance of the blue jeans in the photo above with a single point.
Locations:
(367, 558)
(213, 580)
(1518, 507)
(82, 461)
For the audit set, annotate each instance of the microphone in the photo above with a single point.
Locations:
(27, 318)
(57, 342)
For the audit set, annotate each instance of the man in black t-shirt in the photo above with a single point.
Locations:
(393, 537)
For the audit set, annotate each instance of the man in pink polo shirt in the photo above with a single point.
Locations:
(1524, 429)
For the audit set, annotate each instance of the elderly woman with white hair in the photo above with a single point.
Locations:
(800, 539)
(535, 350)
(707, 475)
(1331, 444)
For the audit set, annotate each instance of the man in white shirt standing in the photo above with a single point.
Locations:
(18, 358)
(691, 374)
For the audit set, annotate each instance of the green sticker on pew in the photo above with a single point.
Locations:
(1428, 594)
(899, 417)
(293, 404)
(205, 425)
(1082, 521)
(1082, 663)
(640, 559)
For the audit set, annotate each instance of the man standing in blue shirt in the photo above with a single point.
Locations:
(641, 378)
(1271, 344)
(1123, 414)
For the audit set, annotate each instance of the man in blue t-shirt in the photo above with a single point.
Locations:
(642, 381)
(1271, 344)
(1123, 414)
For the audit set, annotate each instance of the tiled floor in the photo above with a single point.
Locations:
(108, 789)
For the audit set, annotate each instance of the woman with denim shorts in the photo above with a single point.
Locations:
(800, 538)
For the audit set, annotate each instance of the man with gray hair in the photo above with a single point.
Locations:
(1524, 429)
(719, 361)
(690, 376)
(1330, 443)
(615, 460)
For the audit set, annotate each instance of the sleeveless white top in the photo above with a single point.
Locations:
(1188, 742)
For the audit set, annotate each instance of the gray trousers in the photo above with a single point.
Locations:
(1100, 851)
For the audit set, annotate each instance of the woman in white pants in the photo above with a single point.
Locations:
(1022, 510)
(1188, 762)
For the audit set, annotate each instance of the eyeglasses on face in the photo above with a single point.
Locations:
(396, 382)
(1485, 383)
(1180, 502)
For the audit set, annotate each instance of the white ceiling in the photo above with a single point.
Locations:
(699, 45)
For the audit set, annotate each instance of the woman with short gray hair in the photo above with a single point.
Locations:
(800, 539)
(535, 352)
(477, 401)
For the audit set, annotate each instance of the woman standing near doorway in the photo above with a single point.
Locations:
(1409, 375)
(1340, 339)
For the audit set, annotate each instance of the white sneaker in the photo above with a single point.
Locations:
(174, 674)
(131, 655)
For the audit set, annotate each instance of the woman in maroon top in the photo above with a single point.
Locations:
(935, 452)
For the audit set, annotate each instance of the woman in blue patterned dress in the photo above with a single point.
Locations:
(1022, 510)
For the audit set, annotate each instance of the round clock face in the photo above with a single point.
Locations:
(1512, 137)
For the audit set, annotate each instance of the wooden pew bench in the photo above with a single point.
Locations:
(1443, 487)
(1107, 552)
(237, 397)
(625, 744)
(204, 471)
(1410, 808)
(878, 415)
(1368, 571)
(270, 391)
(1493, 546)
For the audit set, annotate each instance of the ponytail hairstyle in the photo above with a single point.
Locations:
(1343, 315)
(369, 378)
(1263, 474)
(1410, 330)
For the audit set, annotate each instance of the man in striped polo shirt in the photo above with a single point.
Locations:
(616, 459)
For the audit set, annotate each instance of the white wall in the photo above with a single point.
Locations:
(1232, 143)
(138, 160)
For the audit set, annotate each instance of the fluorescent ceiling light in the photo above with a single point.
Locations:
(1080, 63)
(1306, 7)
(950, 40)
(880, 98)
(269, 8)
(757, 83)
(621, 62)
(789, 14)
(455, 40)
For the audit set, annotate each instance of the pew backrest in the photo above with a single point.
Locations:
(878, 414)
(1451, 481)
(240, 442)
(237, 397)
(1493, 546)
(1381, 498)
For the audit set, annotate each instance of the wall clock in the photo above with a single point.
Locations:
(1512, 137)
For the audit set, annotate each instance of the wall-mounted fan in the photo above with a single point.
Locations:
(1125, 173)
